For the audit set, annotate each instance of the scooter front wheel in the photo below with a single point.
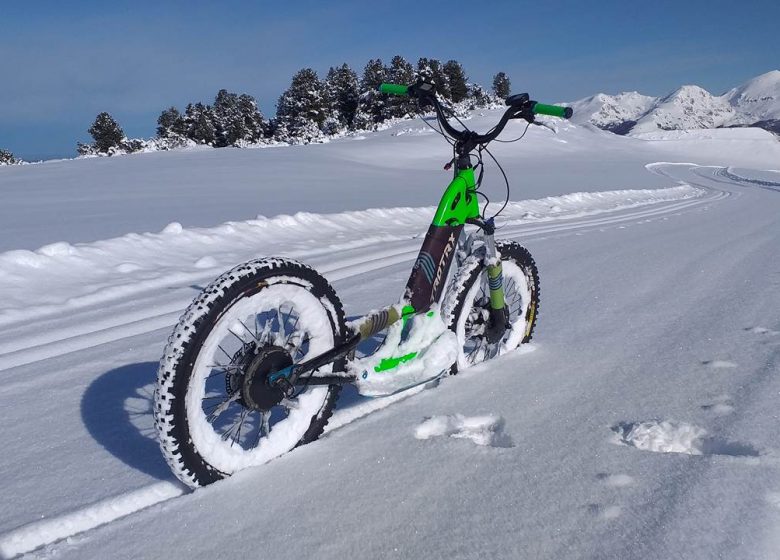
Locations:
(468, 307)
(214, 410)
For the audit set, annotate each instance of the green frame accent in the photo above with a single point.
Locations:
(459, 202)
(390, 363)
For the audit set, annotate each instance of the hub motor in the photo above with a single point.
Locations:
(256, 393)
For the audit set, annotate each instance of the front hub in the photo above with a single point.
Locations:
(497, 325)
(256, 393)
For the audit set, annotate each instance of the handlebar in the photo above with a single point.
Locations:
(394, 89)
(520, 107)
(552, 110)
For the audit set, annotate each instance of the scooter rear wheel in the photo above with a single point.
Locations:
(215, 413)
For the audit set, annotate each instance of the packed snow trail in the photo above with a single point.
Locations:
(634, 315)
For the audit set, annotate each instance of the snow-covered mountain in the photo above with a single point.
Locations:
(611, 112)
(685, 108)
(757, 99)
(756, 102)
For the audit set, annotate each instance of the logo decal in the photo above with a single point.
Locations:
(440, 269)
(425, 262)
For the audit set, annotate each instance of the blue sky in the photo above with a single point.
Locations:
(63, 62)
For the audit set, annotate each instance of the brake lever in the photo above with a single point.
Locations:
(545, 125)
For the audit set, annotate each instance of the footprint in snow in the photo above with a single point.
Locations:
(719, 364)
(618, 480)
(773, 499)
(605, 512)
(677, 437)
(721, 406)
(762, 330)
(127, 267)
(487, 430)
(206, 262)
(615, 480)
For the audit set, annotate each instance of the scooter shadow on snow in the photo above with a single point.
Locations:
(117, 411)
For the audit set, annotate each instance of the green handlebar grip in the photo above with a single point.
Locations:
(553, 111)
(394, 89)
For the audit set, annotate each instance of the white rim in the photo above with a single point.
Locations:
(517, 293)
(242, 321)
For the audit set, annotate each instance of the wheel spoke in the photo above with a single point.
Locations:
(229, 357)
(280, 336)
(253, 334)
(220, 366)
(294, 351)
(222, 407)
(265, 336)
(241, 340)
(293, 332)
(237, 437)
(216, 373)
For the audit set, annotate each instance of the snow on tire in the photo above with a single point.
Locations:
(268, 307)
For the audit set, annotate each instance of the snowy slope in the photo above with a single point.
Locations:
(658, 333)
(99, 198)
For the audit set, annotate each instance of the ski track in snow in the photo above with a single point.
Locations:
(37, 534)
(27, 345)
(158, 311)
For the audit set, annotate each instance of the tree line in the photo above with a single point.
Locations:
(310, 110)
(7, 158)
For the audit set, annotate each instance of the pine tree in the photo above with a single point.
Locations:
(303, 108)
(343, 92)
(399, 72)
(7, 158)
(170, 124)
(501, 85)
(424, 71)
(372, 104)
(106, 133)
(255, 125)
(478, 97)
(199, 119)
(440, 79)
(457, 80)
(430, 70)
(228, 125)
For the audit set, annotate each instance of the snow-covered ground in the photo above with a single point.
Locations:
(641, 423)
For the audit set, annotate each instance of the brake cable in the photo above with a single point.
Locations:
(527, 126)
(506, 181)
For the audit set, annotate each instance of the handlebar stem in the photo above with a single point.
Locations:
(467, 141)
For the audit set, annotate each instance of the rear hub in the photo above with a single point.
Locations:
(256, 393)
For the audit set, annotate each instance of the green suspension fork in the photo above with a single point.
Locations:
(498, 316)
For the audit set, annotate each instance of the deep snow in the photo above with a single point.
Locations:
(658, 331)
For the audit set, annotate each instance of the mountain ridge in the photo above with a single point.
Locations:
(753, 103)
